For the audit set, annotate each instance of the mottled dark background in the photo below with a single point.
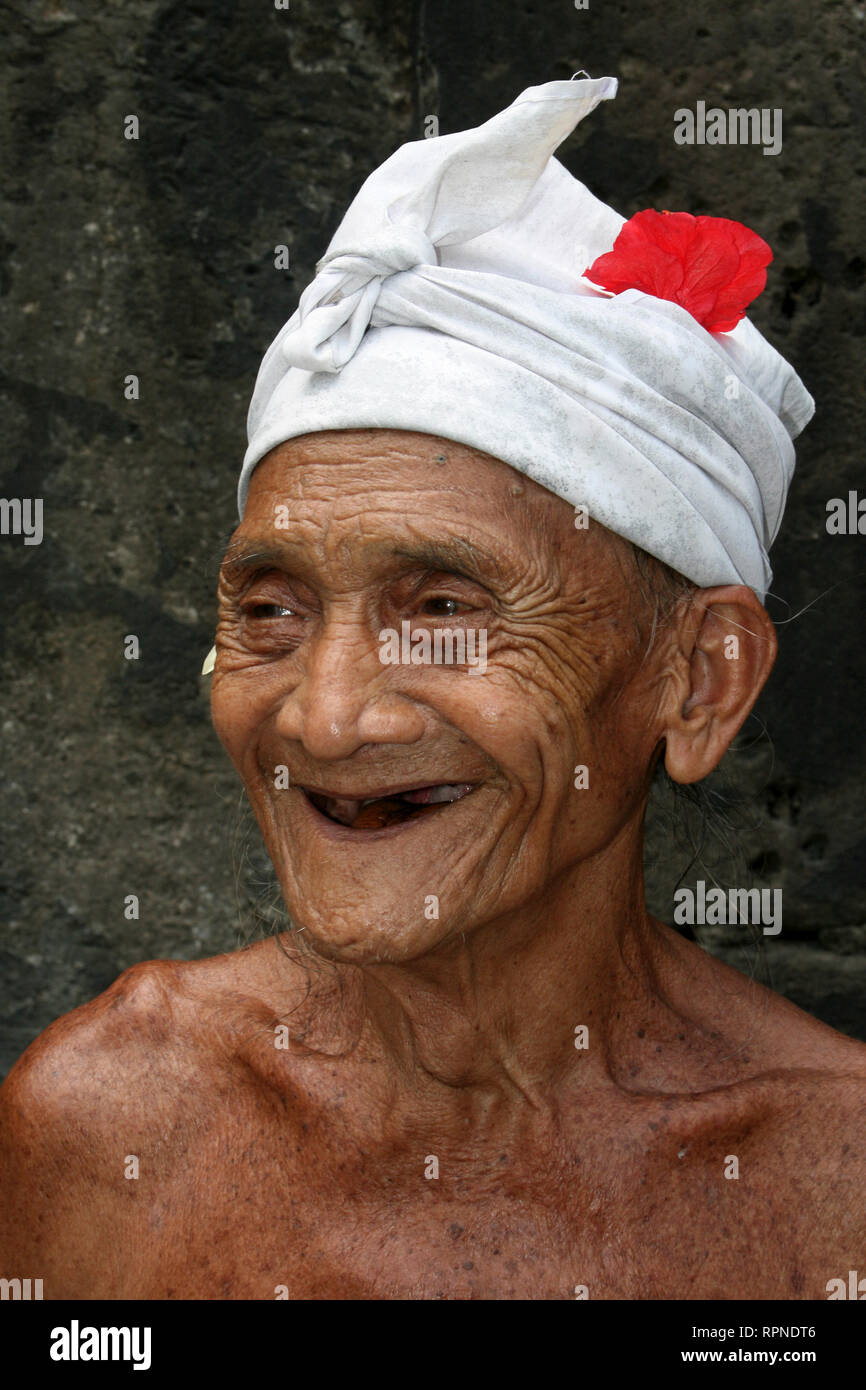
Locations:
(155, 257)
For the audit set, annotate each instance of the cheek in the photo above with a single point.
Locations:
(237, 712)
(559, 729)
(532, 689)
(522, 728)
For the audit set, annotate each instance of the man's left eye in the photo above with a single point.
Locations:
(270, 610)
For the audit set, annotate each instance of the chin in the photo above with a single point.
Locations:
(346, 935)
(383, 890)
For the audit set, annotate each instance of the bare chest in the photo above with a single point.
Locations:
(264, 1215)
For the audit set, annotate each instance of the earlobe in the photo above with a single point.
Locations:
(728, 644)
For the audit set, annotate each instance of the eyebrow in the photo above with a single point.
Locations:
(242, 555)
(456, 556)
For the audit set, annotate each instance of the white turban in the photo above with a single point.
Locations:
(451, 301)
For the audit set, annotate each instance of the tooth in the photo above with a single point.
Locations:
(434, 796)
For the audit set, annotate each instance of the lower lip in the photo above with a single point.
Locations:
(333, 830)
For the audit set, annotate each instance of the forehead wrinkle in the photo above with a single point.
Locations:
(523, 552)
(447, 553)
(420, 549)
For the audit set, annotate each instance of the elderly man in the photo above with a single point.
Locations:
(476, 1067)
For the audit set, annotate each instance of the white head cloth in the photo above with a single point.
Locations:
(450, 301)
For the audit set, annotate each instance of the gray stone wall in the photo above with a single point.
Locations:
(154, 257)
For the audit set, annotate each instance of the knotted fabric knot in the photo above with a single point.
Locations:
(335, 310)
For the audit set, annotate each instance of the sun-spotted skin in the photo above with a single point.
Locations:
(476, 1067)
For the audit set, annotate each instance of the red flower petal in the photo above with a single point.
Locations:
(712, 266)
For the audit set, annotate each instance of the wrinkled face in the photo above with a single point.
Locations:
(411, 785)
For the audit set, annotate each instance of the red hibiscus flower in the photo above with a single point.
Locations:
(712, 266)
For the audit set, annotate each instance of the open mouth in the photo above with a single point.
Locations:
(377, 812)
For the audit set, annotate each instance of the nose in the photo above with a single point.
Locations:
(346, 697)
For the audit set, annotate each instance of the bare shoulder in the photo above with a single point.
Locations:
(752, 1021)
(812, 1152)
(804, 1081)
(127, 1078)
(160, 1025)
(72, 1066)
